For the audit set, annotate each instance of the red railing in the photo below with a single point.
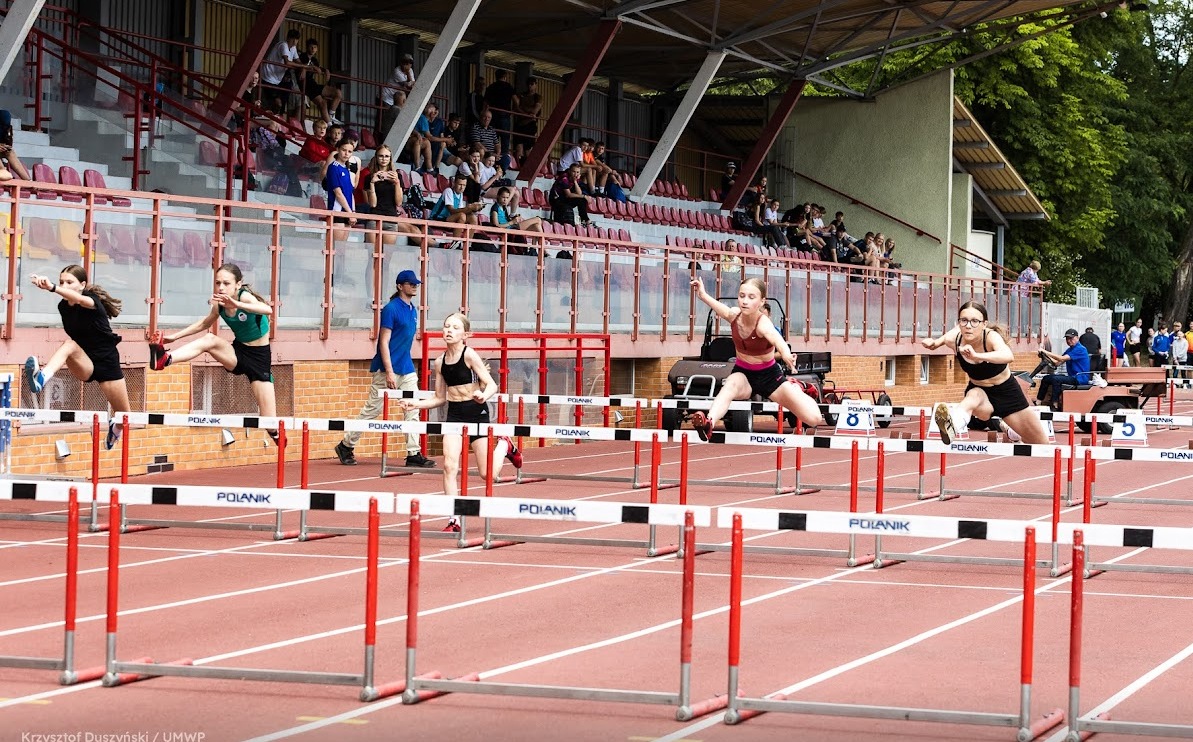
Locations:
(854, 200)
(958, 255)
(605, 284)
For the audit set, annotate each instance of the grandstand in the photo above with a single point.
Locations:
(142, 168)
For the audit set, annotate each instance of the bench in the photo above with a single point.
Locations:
(1151, 381)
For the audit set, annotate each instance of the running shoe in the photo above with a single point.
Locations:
(418, 460)
(346, 455)
(452, 527)
(944, 421)
(158, 357)
(512, 453)
(275, 436)
(34, 379)
(702, 425)
(1012, 436)
(114, 432)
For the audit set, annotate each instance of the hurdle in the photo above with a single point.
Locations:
(850, 554)
(65, 665)
(1058, 453)
(742, 707)
(10, 414)
(1081, 727)
(132, 525)
(119, 672)
(686, 517)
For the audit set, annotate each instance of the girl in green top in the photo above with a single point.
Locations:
(247, 314)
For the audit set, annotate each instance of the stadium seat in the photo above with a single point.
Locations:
(174, 249)
(95, 179)
(404, 179)
(367, 140)
(198, 252)
(318, 202)
(67, 175)
(713, 195)
(42, 173)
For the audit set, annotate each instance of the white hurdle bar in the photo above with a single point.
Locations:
(687, 518)
(95, 420)
(743, 707)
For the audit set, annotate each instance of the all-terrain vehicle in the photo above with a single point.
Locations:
(1124, 389)
(700, 378)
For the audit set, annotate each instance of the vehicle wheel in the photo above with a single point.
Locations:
(739, 421)
(830, 398)
(670, 419)
(1085, 427)
(883, 421)
(1108, 408)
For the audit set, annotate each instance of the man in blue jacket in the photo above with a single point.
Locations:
(1077, 358)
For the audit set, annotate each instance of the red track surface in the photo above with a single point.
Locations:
(934, 635)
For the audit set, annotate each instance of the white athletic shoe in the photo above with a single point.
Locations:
(1012, 436)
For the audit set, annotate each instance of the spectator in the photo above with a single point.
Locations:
(528, 106)
(10, 165)
(484, 134)
(1180, 346)
(505, 214)
(426, 129)
(283, 57)
(600, 154)
(499, 97)
(595, 171)
(1093, 345)
(1077, 359)
(728, 178)
(1135, 343)
(453, 208)
(730, 260)
(1031, 275)
(1161, 345)
(454, 146)
(744, 213)
(249, 99)
(1118, 339)
(772, 226)
(476, 104)
(437, 135)
(325, 95)
(383, 193)
(888, 255)
(393, 94)
(340, 189)
(566, 195)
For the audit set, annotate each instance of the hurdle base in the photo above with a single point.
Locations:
(1060, 570)
(82, 676)
(880, 562)
(737, 717)
(391, 473)
(946, 496)
(860, 561)
(1098, 503)
(663, 551)
(142, 528)
(411, 696)
(1085, 734)
(1044, 724)
(703, 708)
(308, 536)
(388, 690)
(500, 544)
(111, 680)
(797, 490)
(659, 486)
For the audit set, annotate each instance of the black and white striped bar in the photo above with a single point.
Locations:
(644, 435)
(571, 400)
(52, 416)
(788, 440)
(407, 394)
(204, 420)
(1104, 534)
(1137, 453)
(912, 526)
(410, 427)
(585, 511)
(259, 498)
(975, 448)
(704, 404)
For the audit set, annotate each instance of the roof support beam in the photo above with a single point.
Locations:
(21, 17)
(638, 6)
(264, 31)
(573, 91)
(971, 166)
(678, 122)
(766, 140)
(432, 70)
(1007, 193)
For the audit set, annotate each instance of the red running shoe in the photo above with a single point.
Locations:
(702, 425)
(452, 527)
(512, 453)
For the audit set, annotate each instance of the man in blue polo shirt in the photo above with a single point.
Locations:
(392, 367)
(1077, 358)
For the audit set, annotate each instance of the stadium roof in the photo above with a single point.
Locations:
(663, 42)
(999, 191)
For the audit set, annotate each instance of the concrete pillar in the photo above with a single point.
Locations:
(13, 30)
(344, 56)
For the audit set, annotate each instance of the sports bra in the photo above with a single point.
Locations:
(458, 373)
(755, 345)
(982, 370)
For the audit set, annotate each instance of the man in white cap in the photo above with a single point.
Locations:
(728, 179)
(392, 367)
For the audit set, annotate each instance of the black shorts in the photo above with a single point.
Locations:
(468, 411)
(253, 361)
(105, 363)
(1133, 348)
(764, 381)
(1006, 398)
(342, 219)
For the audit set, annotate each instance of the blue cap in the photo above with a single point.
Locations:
(408, 276)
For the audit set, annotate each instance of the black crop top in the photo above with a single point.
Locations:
(982, 370)
(458, 373)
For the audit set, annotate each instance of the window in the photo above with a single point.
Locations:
(924, 360)
(65, 392)
(890, 364)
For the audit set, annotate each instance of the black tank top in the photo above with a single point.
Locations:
(982, 370)
(458, 373)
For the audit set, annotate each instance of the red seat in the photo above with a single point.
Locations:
(430, 184)
(682, 191)
(318, 202)
(713, 195)
(197, 251)
(67, 175)
(443, 183)
(174, 250)
(367, 140)
(404, 179)
(95, 179)
(42, 173)
(209, 154)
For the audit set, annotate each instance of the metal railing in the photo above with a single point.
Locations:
(159, 252)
